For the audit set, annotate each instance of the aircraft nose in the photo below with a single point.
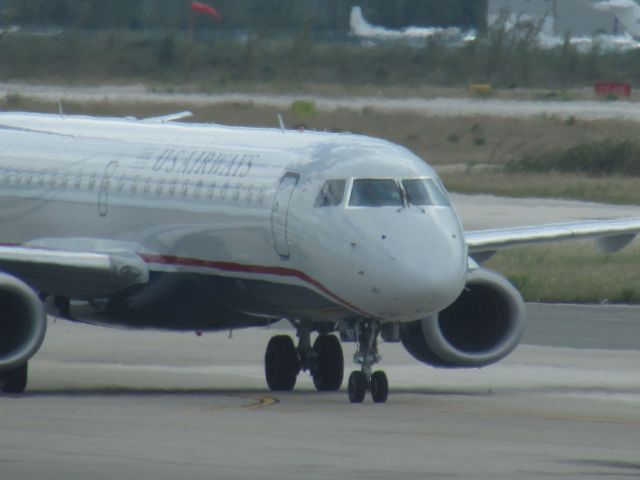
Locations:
(430, 279)
(424, 273)
(402, 265)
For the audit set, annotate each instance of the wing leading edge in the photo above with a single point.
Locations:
(610, 235)
(74, 273)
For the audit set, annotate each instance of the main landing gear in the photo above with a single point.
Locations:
(361, 381)
(324, 360)
(281, 364)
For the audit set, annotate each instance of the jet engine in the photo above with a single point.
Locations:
(23, 322)
(481, 327)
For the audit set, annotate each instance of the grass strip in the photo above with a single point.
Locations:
(572, 273)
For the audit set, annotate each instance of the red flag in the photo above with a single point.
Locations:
(206, 9)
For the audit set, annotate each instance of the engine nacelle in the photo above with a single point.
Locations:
(23, 322)
(481, 327)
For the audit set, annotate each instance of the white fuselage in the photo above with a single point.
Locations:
(363, 29)
(234, 204)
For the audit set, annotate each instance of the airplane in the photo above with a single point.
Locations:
(627, 13)
(453, 36)
(162, 224)
(547, 38)
(364, 30)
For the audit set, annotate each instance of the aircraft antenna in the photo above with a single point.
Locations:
(281, 122)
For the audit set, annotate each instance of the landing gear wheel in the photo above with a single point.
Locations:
(357, 387)
(281, 364)
(329, 371)
(15, 381)
(379, 386)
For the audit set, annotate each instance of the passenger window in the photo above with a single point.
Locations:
(424, 192)
(331, 194)
(375, 193)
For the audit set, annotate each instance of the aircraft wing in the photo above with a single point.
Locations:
(610, 235)
(172, 117)
(74, 274)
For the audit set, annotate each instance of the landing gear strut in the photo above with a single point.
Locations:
(367, 355)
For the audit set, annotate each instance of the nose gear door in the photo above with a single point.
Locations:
(280, 213)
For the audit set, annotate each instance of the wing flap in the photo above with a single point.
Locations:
(83, 275)
(610, 235)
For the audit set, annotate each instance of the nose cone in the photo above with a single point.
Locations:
(430, 281)
(423, 269)
(428, 278)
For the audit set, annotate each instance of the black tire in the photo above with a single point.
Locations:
(329, 371)
(357, 387)
(15, 381)
(379, 387)
(281, 364)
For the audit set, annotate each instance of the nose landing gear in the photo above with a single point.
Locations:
(367, 355)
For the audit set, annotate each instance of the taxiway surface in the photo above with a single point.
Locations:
(110, 404)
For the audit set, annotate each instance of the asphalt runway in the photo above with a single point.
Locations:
(112, 404)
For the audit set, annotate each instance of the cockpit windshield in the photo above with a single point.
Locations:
(424, 192)
(375, 193)
(331, 193)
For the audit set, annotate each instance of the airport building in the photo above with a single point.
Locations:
(577, 17)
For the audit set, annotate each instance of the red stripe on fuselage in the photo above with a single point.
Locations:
(233, 267)
(252, 269)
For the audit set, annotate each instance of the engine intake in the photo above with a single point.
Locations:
(23, 322)
(481, 327)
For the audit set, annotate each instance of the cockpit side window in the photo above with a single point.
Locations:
(375, 193)
(424, 192)
(331, 194)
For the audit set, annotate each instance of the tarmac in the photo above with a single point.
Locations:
(112, 404)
